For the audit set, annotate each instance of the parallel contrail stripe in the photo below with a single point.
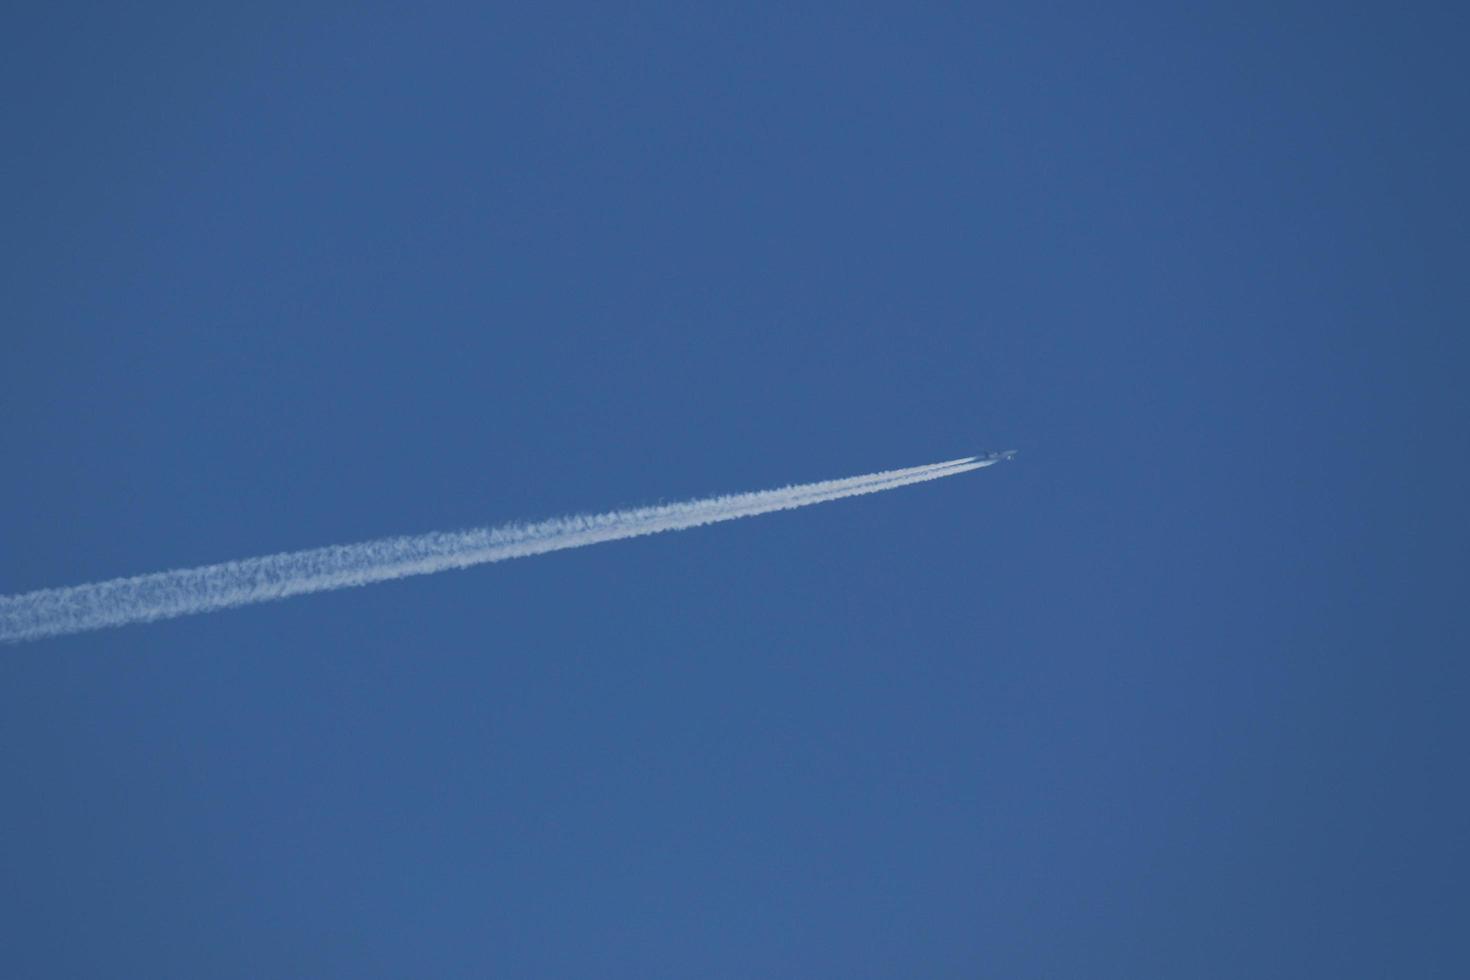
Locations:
(181, 592)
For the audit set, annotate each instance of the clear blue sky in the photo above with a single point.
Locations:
(1180, 692)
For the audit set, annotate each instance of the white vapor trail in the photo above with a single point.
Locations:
(162, 595)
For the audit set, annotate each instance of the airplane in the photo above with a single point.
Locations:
(988, 458)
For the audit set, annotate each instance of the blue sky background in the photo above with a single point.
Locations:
(1180, 692)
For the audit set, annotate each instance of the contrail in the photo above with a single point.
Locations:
(181, 592)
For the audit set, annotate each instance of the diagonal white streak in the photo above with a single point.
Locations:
(162, 595)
